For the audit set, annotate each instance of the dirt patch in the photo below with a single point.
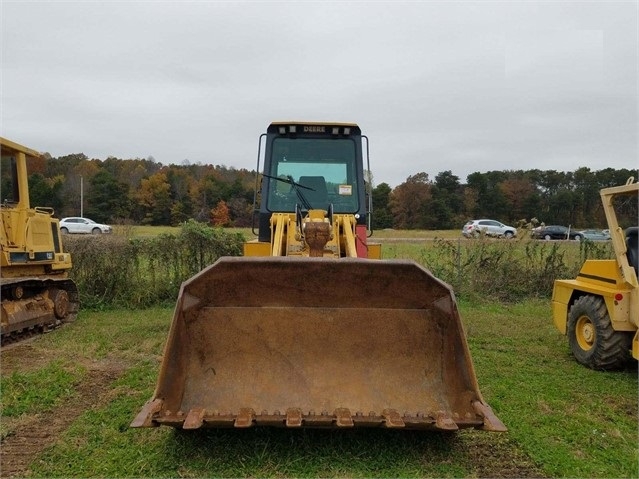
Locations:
(31, 435)
(23, 357)
(495, 455)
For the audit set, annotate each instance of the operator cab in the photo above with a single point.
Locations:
(312, 166)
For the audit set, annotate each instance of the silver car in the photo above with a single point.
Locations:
(82, 226)
(474, 228)
(595, 235)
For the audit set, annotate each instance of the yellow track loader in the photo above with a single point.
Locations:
(311, 328)
(599, 310)
(37, 294)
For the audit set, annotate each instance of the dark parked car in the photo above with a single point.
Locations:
(556, 232)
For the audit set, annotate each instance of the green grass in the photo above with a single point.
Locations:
(415, 234)
(37, 391)
(572, 420)
(564, 420)
(144, 230)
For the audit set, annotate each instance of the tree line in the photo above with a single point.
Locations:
(143, 191)
(515, 197)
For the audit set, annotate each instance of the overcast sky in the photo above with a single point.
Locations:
(460, 86)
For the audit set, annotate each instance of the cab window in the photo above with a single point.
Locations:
(317, 171)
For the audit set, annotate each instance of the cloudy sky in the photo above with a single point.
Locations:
(462, 86)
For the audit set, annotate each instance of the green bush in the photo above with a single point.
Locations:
(508, 270)
(132, 272)
(113, 270)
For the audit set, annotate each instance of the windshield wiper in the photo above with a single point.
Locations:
(296, 187)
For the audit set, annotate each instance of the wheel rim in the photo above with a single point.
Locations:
(585, 333)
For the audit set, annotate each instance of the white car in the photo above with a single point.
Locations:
(475, 228)
(82, 226)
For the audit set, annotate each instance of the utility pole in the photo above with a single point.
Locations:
(81, 197)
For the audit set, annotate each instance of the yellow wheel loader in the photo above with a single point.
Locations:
(37, 293)
(599, 310)
(311, 328)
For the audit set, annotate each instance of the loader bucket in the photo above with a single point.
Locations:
(316, 342)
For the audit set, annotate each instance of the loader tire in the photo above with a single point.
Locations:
(593, 341)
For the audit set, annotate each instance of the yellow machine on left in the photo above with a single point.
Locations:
(37, 294)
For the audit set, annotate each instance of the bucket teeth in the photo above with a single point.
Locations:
(293, 417)
(145, 416)
(194, 419)
(392, 418)
(491, 422)
(443, 420)
(245, 417)
(343, 417)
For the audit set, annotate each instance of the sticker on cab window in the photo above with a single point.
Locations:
(345, 190)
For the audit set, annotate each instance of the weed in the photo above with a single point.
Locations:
(502, 270)
(114, 270)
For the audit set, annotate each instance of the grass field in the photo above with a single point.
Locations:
(564, 420)
(68, 398)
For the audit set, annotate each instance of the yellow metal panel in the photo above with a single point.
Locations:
(294, 245)
(620, 311)
(374, 251)
(10, 148)
(603, 272)
(560, 298)
(257, 248)
(278, 228)
(348, 227)
(24, 270)
(588, 287)
(559, 316)
(39, 237)
(63, 261)
(563, 290)
(286, 241)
